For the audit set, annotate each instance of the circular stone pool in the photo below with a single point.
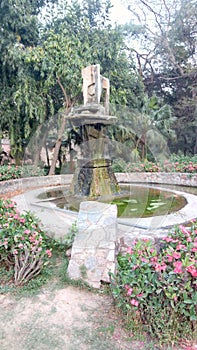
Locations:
(132, 201)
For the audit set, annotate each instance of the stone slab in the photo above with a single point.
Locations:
(94, 249)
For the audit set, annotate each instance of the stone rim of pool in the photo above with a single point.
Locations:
(133, 201)
(56, 220)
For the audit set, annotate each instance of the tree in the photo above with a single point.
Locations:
(75, 41)
(146, 130)
(21, 104)
(167, 59)
(42, 72)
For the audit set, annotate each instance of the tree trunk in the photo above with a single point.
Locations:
(39, 142)
(68, 105)
(57, 147)
(47, 155)
(195, 147)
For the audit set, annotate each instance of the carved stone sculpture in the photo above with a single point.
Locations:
(93, 84)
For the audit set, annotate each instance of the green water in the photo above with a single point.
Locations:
(145, 202)
(132, 201)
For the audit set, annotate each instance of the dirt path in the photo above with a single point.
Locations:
(65, 319)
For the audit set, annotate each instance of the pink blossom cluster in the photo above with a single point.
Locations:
(20, 232)
(177, 256)
(166, 166)
(129, 292)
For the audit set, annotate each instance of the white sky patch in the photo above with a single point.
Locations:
(119, 12)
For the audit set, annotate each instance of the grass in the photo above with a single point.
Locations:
(53, 276)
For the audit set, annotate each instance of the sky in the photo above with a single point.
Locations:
(119, 12)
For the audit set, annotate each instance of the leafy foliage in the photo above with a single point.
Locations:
(167, 61)
(23, 244)
(11, 172)
(155, 285)
(23, 104)
(181, 164)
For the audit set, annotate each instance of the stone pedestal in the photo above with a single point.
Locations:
(94, 249)
(94, 179)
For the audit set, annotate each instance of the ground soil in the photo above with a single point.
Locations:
(61, 319)
(64, 319)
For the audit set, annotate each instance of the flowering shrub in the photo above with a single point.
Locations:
(174, 164)
(11, 172)
(166, 166)
(22, 243)
(156, 285)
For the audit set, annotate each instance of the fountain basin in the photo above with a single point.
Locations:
(57, 222)
(132, 201)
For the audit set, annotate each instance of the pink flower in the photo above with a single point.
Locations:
(134, 302)
(15, 252)
(154, 259)
(184, 230)
(20, 245)
(192, 270)
(144, 260)
(176, 255)
(167, 239)
(49, 253)
(135, 267)
(140, 295)
(152, 250)
(22, 221)
(182, 246)
(17, 217)
(130, 290)
(178, 267)
(27, 232)
(169, 257)
(11, 205)
(129, 250)
(160, 267)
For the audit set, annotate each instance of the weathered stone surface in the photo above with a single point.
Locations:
(94, 249)
(94, 179)
(34, 182)
(185, 179)
(93, 83)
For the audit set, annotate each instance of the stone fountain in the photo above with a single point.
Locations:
(94, 249)
(94, 176)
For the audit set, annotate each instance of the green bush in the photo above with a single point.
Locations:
(24, 247)
(182, 164)
(119, 165)
(156, 287)
(11, 172)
